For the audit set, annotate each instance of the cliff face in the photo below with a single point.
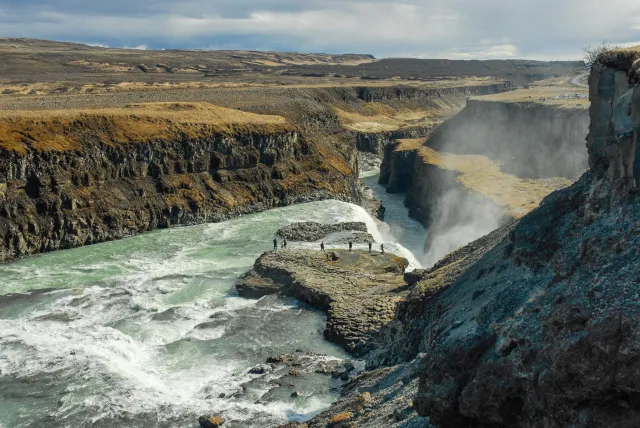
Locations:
(537, 323)
(540, 326)
(96, 188)
(386, 94)
(532, 140)
(396, 171)
(520, 145)
(377, 142)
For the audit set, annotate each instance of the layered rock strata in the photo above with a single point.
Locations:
(92, 178)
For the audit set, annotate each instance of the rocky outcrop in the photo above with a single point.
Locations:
(100, 189)
(376, 142)
(615, 117)
(310, 231)
(397, 169)
(359, 291)
(536, 325)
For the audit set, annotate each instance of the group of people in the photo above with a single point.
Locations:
(275, 244)
(284, 245)
(351, 246)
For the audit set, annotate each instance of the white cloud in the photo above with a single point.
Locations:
(444, 28)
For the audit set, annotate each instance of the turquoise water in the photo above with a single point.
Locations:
(149, 331)
(398, 227)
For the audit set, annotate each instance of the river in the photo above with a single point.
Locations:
(149, 331)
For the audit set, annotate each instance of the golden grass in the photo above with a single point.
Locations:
(378, 117)
(59, 130)
(409, 144)
(483, 175)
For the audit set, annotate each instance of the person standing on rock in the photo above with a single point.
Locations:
(382, 248)
(369, 246)
(275, 244)
(322, 246)
(350, 245)
(284, 243)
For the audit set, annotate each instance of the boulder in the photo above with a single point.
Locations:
(211, 421)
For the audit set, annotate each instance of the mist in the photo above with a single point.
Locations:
(457, 219)
(529, 141)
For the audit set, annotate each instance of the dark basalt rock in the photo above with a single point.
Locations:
(312, 231)
(535, 325)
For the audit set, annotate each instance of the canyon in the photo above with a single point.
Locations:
(521, 311)
(534, 324)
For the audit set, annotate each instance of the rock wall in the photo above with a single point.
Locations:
(529, 140)
(405, 93)
(55, 199)
(377, 142)
(615, 119)
(397, 169)
(537, 324)
(532, 140)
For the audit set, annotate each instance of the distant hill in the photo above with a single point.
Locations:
(29, 60)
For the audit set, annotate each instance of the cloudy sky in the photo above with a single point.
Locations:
(456, 29)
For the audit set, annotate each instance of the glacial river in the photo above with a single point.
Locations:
(149, 331)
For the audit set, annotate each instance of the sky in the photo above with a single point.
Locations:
(454, 29)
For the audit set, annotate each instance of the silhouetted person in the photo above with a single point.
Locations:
(322, 246)
(275, 244)
(284, 244)
(369, 246)
(350, 245)
(382, 248)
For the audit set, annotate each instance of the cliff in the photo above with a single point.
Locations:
(494, 161)
(536, 324)
(531, 139)
(69, 178)
(398, 161)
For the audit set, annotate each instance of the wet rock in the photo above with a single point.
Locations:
(359, 291)
(168, 315)
(311, 231)
(211, 421)
(260, 370)
(57, 317)
(373, 205)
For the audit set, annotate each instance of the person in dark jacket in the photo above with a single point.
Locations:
(382, 248)
(284, 243)
(322, 246)
(275, 244)
(369, 246)
(350, 245)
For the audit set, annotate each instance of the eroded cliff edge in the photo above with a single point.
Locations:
(536, 324)
(70, 179)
